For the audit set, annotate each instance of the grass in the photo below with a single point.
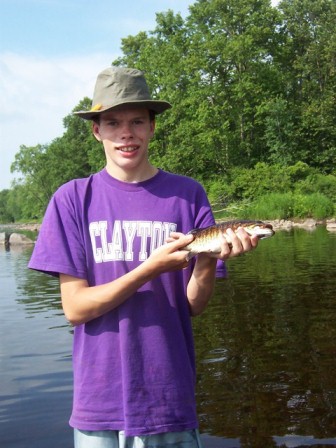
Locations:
(282, 206)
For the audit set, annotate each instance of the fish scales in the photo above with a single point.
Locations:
(209, 239)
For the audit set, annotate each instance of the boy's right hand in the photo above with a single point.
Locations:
(169, 256)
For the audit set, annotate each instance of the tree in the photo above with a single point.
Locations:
(32, 163)
(249, 83)
(84, 153)
(216, 68)
(46, 167)
(237, 43)
(6, 215)
(308, 65)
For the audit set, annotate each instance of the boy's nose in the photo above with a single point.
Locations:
(126, 130)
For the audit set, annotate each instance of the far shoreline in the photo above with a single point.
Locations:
(278, 224)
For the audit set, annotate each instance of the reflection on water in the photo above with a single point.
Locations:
(266, 345)
(265, 350)
(35, 358)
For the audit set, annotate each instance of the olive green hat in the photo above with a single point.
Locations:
(117, 86)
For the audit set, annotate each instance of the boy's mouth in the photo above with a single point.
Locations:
(127, 148)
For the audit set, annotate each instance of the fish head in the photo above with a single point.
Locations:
(260, 229)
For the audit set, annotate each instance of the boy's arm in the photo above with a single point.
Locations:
(82, 303)
(202, 282)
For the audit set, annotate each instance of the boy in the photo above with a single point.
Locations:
(128, 292)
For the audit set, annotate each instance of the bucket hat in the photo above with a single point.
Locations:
(118, 86)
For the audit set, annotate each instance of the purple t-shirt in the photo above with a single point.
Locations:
(134, 367)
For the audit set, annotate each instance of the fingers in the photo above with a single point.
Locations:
(237, 243)
(176, 243)
(170, 256)
(180, 239)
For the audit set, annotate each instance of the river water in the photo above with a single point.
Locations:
(266, 350)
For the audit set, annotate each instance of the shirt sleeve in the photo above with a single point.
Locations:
(59, 247)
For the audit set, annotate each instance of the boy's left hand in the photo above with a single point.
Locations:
(236, 243)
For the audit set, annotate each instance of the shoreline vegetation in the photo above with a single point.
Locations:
(278, 224)
(11, 234)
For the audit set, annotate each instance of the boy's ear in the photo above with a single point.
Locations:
(95, 131)
(152, 125)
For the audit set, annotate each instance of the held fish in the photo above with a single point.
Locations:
(209, 239)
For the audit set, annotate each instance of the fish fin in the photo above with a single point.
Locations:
(194, 231)
(190, 256)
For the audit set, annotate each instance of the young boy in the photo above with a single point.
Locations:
(128, 292)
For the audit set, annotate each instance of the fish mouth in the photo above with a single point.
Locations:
(261, 232)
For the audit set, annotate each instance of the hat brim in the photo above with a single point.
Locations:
(155, 105)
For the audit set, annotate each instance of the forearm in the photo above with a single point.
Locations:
(82, 303)
(201, 284)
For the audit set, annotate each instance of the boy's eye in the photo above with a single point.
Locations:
(138, 121)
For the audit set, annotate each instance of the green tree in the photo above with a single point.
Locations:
(46, 167)
(308, 67)
(32, 163)
(215, 69)
(236, 41)
(84, 152)
(6, 215)
(162, 55)
(253, 93)
(23, 204)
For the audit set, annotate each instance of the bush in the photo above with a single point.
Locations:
(318, 183)
(274, 192)
(290, 205)
(218, 192)
(263, 179)
(300, 171)
(271, 206)
(315, 205)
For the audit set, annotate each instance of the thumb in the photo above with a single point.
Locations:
(180, 240)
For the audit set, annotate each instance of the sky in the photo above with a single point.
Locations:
(50, 54)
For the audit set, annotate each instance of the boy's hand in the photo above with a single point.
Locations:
(169, 256)
(235, 243)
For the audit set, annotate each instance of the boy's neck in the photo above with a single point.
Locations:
(133, 177)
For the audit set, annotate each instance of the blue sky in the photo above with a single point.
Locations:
(68, 27)
(50, 54)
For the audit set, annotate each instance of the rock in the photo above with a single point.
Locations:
(285, 224)
(308, 224)
(331, 225)
(19, 239)
(282, 224)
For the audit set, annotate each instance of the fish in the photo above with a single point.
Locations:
(209, 239)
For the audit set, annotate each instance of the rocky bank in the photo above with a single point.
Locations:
(11, 234)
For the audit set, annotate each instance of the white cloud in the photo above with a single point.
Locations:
(36, 95)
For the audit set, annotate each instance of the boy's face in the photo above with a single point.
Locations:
(125, 134)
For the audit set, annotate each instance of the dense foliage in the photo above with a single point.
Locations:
(253, 89)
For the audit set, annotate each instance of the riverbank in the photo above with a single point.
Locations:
(278, 224)
(308, 224)
(29, 227)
